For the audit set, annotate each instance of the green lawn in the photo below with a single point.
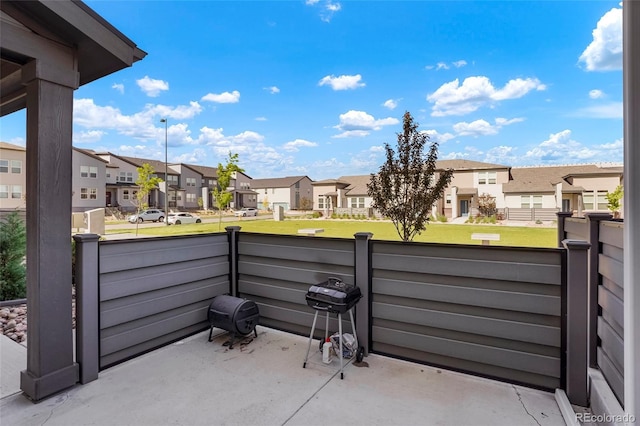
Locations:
(435, 232)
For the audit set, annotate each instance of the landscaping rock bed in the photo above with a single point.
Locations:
(13, 321)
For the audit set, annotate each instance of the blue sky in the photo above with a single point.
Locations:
(317, 87)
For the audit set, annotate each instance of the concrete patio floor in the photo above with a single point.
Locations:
(261, 382)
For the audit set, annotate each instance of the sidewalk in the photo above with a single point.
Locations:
(261, 382)
(13, 357)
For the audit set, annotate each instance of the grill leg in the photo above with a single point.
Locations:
(326, 327)
(353, 327)
(340, 354)
(313, 327)
(210, 332)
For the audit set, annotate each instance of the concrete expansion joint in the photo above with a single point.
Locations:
(60, 400)
(524, 406)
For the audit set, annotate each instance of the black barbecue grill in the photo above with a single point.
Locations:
(236, 315)
(334, 296)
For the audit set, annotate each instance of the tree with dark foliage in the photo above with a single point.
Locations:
(407, 185)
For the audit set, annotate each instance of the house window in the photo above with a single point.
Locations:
(601, 199)
(16, 191)
(16, 166)
(447, 199)
(191, 198)
(320, 202)
(297, 185)
(89, 193)
(108, 175)
(191, 182)
(587, 200)
(126, 177)
(531, 201)
(265, 191)
(487, 178)
(88, 172)
(172, 179)
(125, 194)
(595, 200)
(356, 202)
(93, 193)
(4, 191)
(83, 193)
(4, 166)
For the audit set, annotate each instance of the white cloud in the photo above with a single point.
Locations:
(261, 118)
(560, 148)
(618, 144)
(390, 104)
(596, 94)
(438, 137)
(195, 157)
(377, 148)
(295, 145)
(444, 66)
(441, 66)
(604, 53)
(141, 125)
(506, 155)
(343, 82)
(152, 87)
(455, 99)
(272, 89)
(608, 110)
(222, 98)
(119, 87)
(88, 137)
(359, 123)
(327, 8)
(455, 156)
(459, 64)
(482, 127)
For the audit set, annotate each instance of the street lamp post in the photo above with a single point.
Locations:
(166, 174)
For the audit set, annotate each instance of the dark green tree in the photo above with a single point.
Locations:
(221, 193)
(13, 248)
(407, 184)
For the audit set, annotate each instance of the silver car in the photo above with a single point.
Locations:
(246, 211)
(149, 215)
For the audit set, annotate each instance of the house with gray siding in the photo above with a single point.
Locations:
(89, 180)
(290, 193)
(13, 177)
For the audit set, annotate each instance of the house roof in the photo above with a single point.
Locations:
(158, 166)
(468, 165)
(90, 154)
(545, 178)
(357, 184)
(283, 182)
(329, 182)
(205, 171)
(7, 145)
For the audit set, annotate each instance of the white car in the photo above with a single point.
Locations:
(246, 211)
(149, 215)
(180, 218)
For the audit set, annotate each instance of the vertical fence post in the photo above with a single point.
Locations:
(593, 226)
(363, 280)
(232, 232)
(576, 321)
(562, 217)
(87, 306)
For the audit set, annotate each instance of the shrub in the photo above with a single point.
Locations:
(492, 219)
(13, 248)
(316, 215)
(442, 218)
(469, 220)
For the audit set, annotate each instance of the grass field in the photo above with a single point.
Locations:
(435, 233)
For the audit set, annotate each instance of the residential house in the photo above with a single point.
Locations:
(329, 194)
(575, 188)
(243, 195)
(290, 193)
(208, 181)
(191, 180)
(121, 175)
(470, 180)
(13, 177)
(89, 180)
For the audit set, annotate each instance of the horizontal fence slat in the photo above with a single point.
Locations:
(139, 331)
(611, 268)
(534, 303)
(302, 254)
(613, 306)
(513, 330)
(611, 233)
(154, 303)
(612, 344)
(611, 375)
(498, 270)
(577, 227)
(159, 251)
(505, 358)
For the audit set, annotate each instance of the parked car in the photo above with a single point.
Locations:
(180, 218)
(149, 215)
(246, 211)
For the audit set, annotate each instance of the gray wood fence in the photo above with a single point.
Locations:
(493, 311)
